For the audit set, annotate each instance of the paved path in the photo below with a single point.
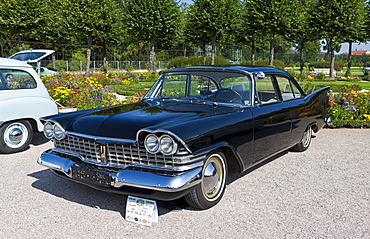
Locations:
(321, 193)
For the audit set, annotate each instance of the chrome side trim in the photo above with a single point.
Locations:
(129, 177)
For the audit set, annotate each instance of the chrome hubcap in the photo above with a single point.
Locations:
(15, 135)
(307, 137)
(213, 177)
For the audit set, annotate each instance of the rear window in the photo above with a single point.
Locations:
(16, 79)
(28, 56)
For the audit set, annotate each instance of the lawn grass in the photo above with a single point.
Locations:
(335, 85)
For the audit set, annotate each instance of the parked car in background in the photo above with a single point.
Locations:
(23, 100)
(194, 126)
(366, 69)
(34, 57)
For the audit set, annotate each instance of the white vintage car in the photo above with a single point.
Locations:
(23, 100)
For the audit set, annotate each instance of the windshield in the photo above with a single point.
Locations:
(220, 87)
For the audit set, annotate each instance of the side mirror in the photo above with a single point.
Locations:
(260, 75)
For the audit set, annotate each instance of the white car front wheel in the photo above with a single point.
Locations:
(15, 136)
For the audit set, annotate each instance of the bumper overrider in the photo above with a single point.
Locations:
(125, 181)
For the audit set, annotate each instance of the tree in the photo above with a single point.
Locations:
(338, 20)
(271, 18)
(248, 30)
(356, 29)
(211, 21)
(152, 21)
(20, 17)
(92, 18)
(299, 30)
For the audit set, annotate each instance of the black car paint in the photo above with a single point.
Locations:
(253, 133)
(248, 134)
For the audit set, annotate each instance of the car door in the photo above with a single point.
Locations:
(272, 119)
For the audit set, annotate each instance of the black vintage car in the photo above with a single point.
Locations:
(194, 126)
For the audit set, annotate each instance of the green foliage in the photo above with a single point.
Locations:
(277, 63)
(21, 16)
(182, 61)
(210, 21)
(152, 21)
(347, 25)
(324, 64)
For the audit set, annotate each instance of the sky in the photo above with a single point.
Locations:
(355, 47)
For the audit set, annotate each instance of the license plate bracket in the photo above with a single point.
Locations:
(91, 176)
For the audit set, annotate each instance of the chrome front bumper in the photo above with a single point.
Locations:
(126, 177)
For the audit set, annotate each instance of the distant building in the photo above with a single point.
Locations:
(359, 53)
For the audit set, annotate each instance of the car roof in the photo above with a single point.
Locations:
(6, 62)
(235, 69)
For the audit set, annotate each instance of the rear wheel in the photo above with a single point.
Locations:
(212, 187)
(305, 142)
(15, 136)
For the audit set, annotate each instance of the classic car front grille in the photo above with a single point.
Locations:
(118, 155)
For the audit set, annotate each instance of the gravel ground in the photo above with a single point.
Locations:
(321, 193)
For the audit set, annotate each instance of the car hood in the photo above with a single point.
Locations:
(125, 121)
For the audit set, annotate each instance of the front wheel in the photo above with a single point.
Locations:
(15, 136)
(212, 187)
(305, 142)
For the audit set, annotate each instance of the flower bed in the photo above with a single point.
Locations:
(350, 109)
(85, 91)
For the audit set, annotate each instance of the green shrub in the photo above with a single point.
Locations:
(324, 64)
(182, 61)
(277, 63)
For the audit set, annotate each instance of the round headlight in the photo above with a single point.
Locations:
(167, 145)
(151, 143)
(48, 130)
(59, 133)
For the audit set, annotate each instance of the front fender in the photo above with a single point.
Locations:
(27, 108)
(232, 156)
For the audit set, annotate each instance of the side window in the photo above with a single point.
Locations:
(266, 92)
(173, 86)
(15, 80)
(201, 85)
(240, 84)
(297, 93)
(287, 88)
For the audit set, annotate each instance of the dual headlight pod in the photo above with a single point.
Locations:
(164, 144)
(54, 131)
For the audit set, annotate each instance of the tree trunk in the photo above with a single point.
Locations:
(272, 51)
(53, 58)
(88, 51)
(332, 59)
(204, 55)
(253, 56)
(348, 72)
(213, 52)
(301, 57)
(19, 40)
(105, 58)
(152, 57)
